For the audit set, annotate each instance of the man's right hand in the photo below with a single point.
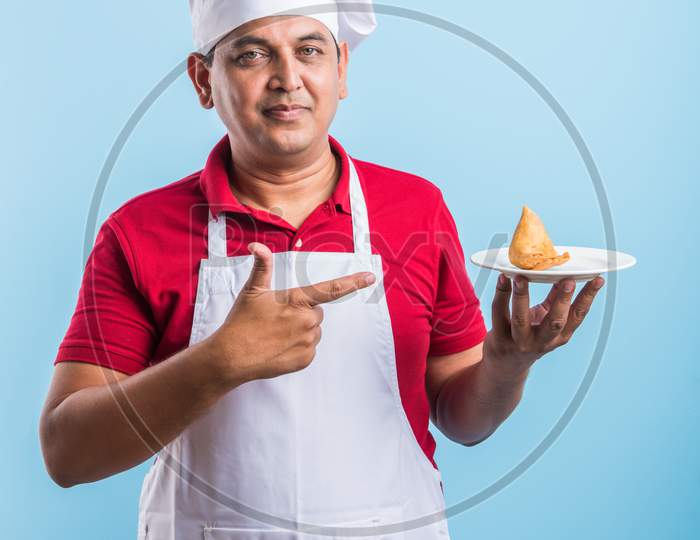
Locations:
(97, 422)
(272, 332)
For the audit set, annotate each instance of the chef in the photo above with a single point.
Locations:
(279, 327)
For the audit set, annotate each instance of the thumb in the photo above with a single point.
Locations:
(261, 274)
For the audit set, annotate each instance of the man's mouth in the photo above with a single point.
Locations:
(286, 112)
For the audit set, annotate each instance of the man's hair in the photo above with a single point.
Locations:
(209, 57)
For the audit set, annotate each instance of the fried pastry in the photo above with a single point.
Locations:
(531, 248)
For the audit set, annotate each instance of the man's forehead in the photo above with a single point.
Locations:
(278, 28)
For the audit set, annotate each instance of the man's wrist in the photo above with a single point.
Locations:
(500, 370)
(223, 370)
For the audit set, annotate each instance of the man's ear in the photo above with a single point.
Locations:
(343, 70)
(200, 77)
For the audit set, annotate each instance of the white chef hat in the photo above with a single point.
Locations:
(214, 19)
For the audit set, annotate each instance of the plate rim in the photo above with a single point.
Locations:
(558, 272)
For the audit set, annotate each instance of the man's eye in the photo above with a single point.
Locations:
(249, 55)
(306, 50)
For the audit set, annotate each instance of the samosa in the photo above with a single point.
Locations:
(531, 248)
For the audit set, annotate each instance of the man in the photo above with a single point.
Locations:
(280, 326)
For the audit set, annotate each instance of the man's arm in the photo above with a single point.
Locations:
(467, 403)
(97, 422)
(471, 393)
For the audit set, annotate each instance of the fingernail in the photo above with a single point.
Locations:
(502, 280)
(598, 283)
(370, 278)
(519, 283)
(568, 286)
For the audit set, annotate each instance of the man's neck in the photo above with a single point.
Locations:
(291, 191)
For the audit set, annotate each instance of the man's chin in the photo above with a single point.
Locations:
(290, 141)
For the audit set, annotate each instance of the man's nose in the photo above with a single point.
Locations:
(286, 73)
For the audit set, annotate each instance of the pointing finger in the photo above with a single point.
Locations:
(333, 289)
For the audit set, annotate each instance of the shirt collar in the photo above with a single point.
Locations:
(214, 180)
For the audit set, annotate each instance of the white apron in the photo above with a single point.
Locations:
(322, 453)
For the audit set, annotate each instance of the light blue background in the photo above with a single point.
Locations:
(426, 102)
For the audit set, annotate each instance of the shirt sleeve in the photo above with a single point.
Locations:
(112, 325)
(457, 322)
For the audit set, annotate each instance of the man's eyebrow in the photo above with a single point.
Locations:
(314, 36)
(244, 41)
(247, 40)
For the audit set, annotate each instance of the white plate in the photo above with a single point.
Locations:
(584, 263)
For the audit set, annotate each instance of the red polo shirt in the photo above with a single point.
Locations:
(136, 300)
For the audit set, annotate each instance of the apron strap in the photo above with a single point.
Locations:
(358, 209)
(216, 230)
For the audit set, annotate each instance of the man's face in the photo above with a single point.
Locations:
(268, 63)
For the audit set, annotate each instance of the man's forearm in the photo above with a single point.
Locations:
(473, 403)
(102, 430)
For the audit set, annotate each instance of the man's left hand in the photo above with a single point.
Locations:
(516, 342)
